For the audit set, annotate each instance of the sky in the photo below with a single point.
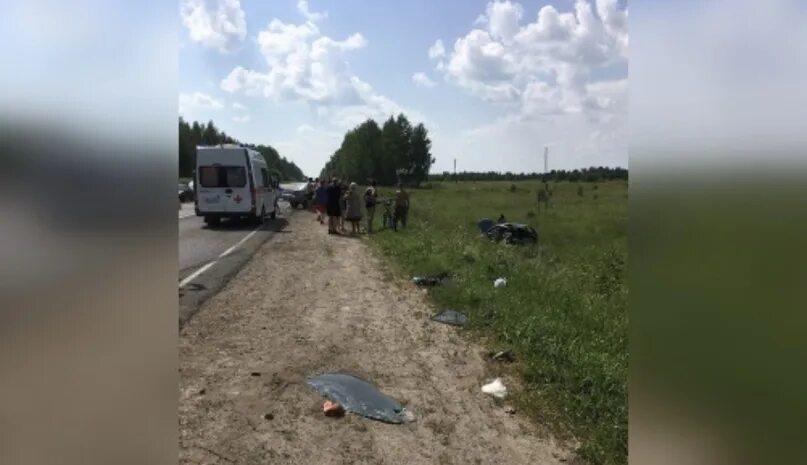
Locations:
(494, 82)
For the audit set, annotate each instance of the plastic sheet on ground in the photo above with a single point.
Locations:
(360, 397)
(451, 317)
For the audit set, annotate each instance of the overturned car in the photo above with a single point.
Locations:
(512, 233)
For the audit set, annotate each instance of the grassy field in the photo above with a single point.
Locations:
(564, 310)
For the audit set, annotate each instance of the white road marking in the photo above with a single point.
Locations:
(209, 265)
(246, 238)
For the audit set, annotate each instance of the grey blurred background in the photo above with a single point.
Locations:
(88, 107)
(718, 222)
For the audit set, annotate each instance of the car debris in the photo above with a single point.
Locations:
(332, 409)
(500, 283)
(510, 409)
(451, 317)
(504, 356)
(485, 224)
(431, 281)
(512, 233)
(360, 397)
(495, 388)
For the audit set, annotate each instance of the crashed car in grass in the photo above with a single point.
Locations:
(512, 233)
(294, 194)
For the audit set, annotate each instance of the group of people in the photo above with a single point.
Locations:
(342, 202)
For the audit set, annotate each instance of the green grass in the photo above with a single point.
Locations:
(564, 310)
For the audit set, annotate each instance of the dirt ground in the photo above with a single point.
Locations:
(309, 303)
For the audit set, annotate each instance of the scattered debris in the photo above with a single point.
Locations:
(501, 219)
(255, 373)
(451, 317)
(513, 233)
(202, 391)
(431, 281)
(485, 224)
(504, 356)
(500, 283)
(360, 397)
(332, 409)
(408, 416)
(269, 416)
(509, 409)
(495, 388)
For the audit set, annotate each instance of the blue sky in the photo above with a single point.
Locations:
(511, 78)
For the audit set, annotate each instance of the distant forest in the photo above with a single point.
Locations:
(194, 134)
(593, 174)
(395, 152)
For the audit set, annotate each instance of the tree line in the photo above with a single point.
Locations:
(394, 152)
(194, 134)
(592, 174)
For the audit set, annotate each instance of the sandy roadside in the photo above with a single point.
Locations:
(309, 303)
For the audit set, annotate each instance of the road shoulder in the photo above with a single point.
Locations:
(309, 303)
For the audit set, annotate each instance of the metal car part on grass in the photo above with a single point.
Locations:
(451, 317)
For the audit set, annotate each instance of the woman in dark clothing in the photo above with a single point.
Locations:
(334, 206)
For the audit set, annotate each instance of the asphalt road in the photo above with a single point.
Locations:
(210, 256)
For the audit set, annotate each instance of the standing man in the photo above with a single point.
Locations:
(309, 194)
(370, 200)
(401, 207)
(333, 207)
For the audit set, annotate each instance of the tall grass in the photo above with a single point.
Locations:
(564, 310)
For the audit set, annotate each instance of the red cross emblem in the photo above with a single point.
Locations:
(237, 198)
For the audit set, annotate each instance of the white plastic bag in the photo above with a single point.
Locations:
(495, 388)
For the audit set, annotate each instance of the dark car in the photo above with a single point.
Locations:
(294, 194)
(185, 193)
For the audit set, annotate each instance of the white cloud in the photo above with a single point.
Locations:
(302, 6)
(502, 19)
(305, 65)
(239, 106)
(543, 66)
(437, 50)
(241, 119)
(216, 24)
(198, 100)
(422, 80)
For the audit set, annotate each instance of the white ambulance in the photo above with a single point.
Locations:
(234, 182)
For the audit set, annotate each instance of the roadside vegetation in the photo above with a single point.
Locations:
(563, 312)
(194, 134)
(395, 151)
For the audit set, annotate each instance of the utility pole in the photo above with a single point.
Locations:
(455, 170)
(546, 159)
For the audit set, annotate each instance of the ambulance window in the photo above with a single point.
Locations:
(265, 176)
(209, 176)
(236, 176)
(222, 176)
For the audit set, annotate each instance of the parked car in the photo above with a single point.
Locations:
(185, 193)
(294, 194)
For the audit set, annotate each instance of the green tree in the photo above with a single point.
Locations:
(420, 157)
